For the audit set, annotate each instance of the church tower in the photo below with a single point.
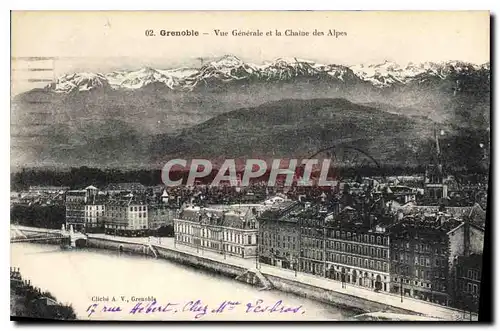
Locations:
(435, 188)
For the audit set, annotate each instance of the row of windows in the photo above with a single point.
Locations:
(310, 242)
(134, 208)
(358, 249)
(427, 275)
(362, 238)
(421, 248)
(472, 288)
(278, 236)
(210, 244)
(473, 274)
(312, 254)
(424, 274)
(276, 244)
(419, 260)
(122, 215)
(94, 207)
(94, 213)
(215, 235)
(358, 262)
(437, 287)
(118, 227)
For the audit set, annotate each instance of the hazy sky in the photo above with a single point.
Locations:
(105, 41)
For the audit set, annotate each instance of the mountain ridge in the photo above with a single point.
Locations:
(230, 69)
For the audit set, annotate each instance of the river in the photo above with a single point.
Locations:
(75, 277)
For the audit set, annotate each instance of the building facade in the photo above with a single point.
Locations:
(226, 231)
(358, 255)
(126, 216)
(468, 282)
(420, 252)
(75, 203)
(279, 235)
(94, 215)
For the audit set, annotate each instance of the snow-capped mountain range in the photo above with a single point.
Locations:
(229, 69)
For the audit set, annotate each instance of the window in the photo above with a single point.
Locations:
(379, 241)
(372, 239)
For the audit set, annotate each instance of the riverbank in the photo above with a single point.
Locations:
(27, 301)
(309, 286)
(305, 285)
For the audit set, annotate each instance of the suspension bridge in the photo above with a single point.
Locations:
(20, 234)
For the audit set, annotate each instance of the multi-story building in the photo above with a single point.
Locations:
(357, 251)
(279, 235)
(126, 215)
(75, 209)
(420, 251)
(94, 215)
(468, 282)
(231, 231)
(76, 206)
(312, 240)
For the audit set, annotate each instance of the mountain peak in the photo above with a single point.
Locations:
(82, 81)
(227, 61)
(148, 70)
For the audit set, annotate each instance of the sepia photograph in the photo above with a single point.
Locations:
(250, 166)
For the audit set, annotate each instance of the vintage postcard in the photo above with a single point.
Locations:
(249, 166)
